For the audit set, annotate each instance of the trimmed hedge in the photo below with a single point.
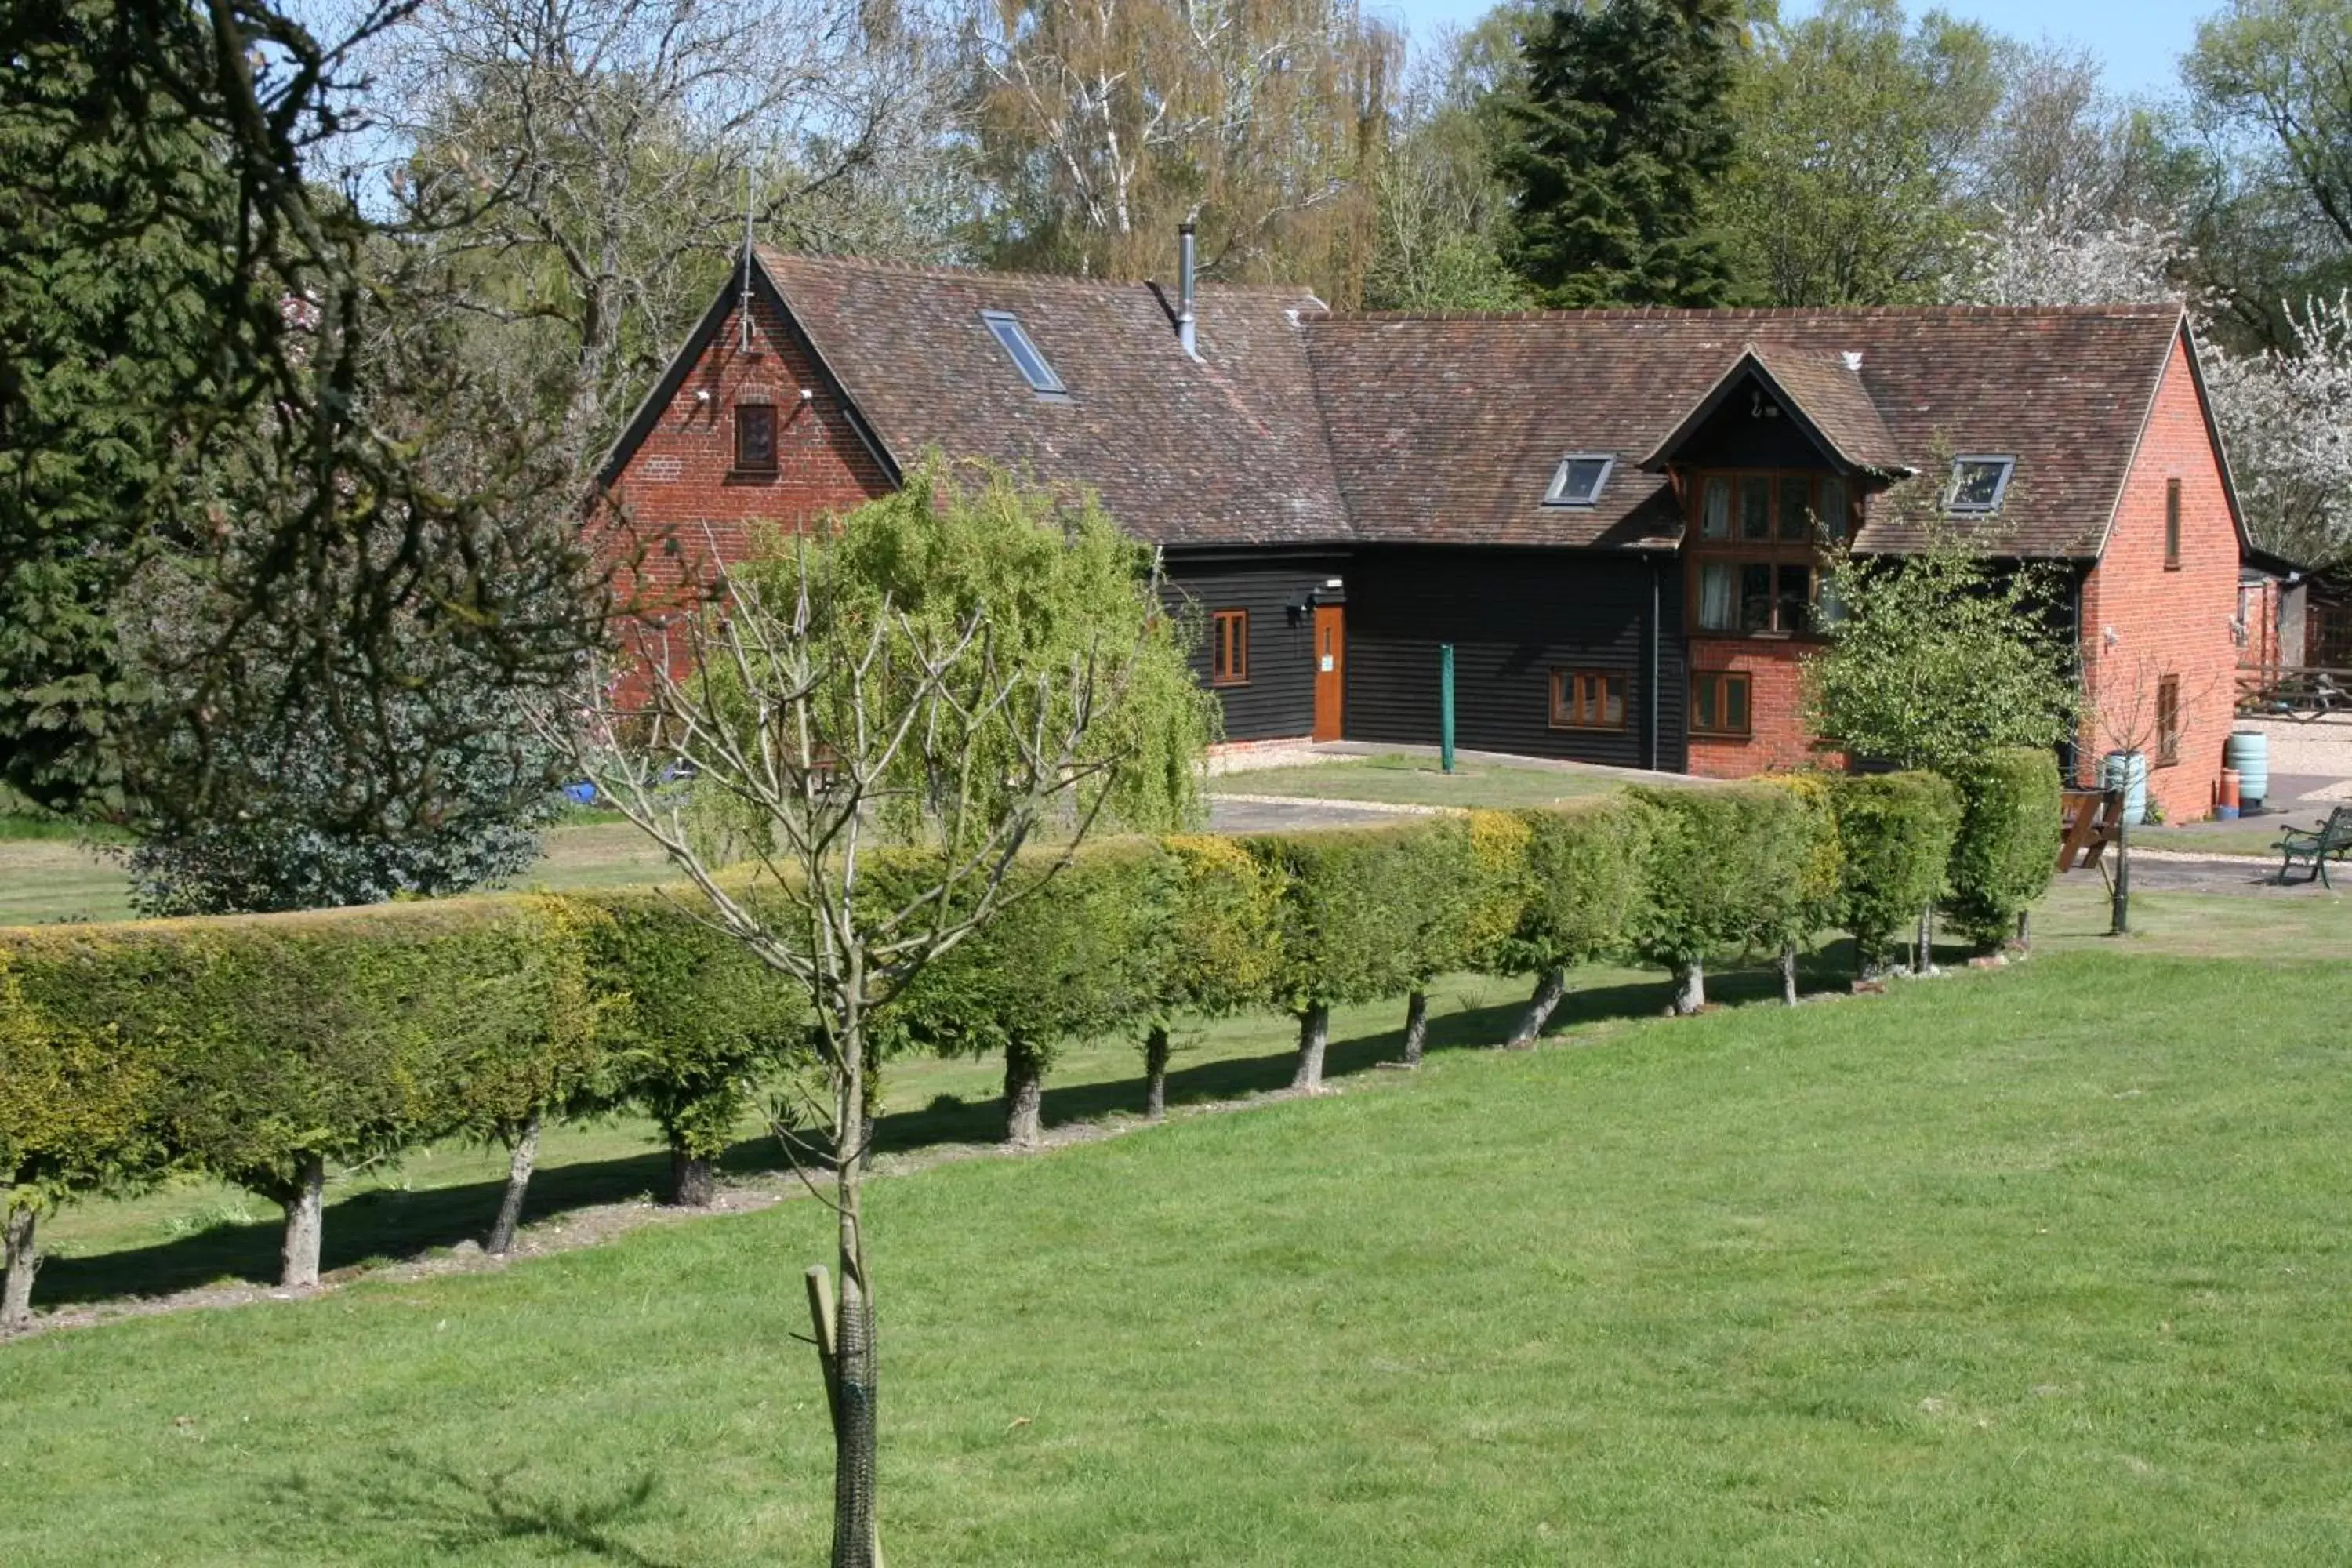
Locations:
(1071, 956)
(1726, 873)
(693, 1021)
(260, 1048)
(1350, 916)
(1895, 837)
(2006, 852)
(1581, 895)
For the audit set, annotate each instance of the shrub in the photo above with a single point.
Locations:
(76, 1110)
(1468, 879)
(1073, 955)
(1581, 891)
(1725, 870)
(1219, 947)
(1816, 900)
(697, 1018)
(1350, 910)
(2006, 851)
(1895, 833)
(281, 1043)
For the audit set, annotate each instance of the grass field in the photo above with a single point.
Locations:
(2044, 1266)
(1400, 780)
(53, 876)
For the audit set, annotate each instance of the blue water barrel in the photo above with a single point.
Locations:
(2248, 751)
(2127, 771)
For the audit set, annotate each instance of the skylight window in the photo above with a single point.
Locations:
(1025, 357)
(1978, 483)
(1577, 479)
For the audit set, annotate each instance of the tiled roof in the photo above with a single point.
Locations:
(1225, 449)
(1825, 395)
(1300, 428)
(1447, 429)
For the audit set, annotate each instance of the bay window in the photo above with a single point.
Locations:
(1755, 549)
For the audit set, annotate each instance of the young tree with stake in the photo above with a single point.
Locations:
(961, 669)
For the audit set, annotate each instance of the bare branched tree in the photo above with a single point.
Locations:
(874, 762)
(595, 161)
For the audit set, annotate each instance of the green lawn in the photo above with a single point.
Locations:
(1417, 781)
(2044, 1266)
(45, 878)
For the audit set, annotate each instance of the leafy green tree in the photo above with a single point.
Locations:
(1938, 657)
(1856, 138)
(2273, 72)
(1617, 145)
(1443, 213)
(199, 361)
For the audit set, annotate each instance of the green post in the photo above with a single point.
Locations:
(1445, 707)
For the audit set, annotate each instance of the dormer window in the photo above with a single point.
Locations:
(1978, 483)
(1015, 340)
(1577, 479)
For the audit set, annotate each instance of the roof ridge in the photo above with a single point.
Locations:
(1017, 274)
(2154, 307)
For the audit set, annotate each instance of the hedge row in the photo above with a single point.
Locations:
(261, 1049)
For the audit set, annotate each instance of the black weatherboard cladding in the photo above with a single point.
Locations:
(1739, 436)
(1513, 618)
(1278, 701)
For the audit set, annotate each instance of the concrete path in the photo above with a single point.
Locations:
(1278, 814)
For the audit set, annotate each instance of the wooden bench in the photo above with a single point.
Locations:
(2331, 840)
(2092, 820)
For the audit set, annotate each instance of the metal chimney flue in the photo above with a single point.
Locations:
(1184, 264)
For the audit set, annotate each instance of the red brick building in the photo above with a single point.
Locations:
(1617, 519)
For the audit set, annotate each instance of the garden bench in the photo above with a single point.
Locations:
(2331, 840)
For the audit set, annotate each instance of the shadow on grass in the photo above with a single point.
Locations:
(442, 1511)
(385, 1223)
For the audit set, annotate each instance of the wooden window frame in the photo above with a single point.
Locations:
(2167, 721)
(1775, 549)
(2173, 525)
(744, 463)
(1747, 706)
(1229, 647)
(1568, 693)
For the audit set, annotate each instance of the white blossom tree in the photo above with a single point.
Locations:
(2286, 414)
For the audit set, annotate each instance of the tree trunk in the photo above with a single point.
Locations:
(523, 1153)
(306, 1223)
(1155, 1073)
(693, 1178)
(1788, 975)
(857, 1531)
(1549, 988)
(1923, 960)
(1416, 1027)
(1314, 1034)
(2119, 924)
(1024, 1095)
(20, 1257)
(1690, 987)
(2024, 932)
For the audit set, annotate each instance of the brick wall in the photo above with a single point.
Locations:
(681, 485)
(1776, 694)
(2142, 622)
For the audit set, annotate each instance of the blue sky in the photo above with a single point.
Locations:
(2139, 40)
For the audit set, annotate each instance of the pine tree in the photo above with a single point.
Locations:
(1614, 148)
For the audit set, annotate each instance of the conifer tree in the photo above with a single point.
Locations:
(1614, 148)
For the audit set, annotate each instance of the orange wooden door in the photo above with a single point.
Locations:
(1330, 670)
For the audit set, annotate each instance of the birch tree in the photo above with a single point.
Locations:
(1104, 122)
